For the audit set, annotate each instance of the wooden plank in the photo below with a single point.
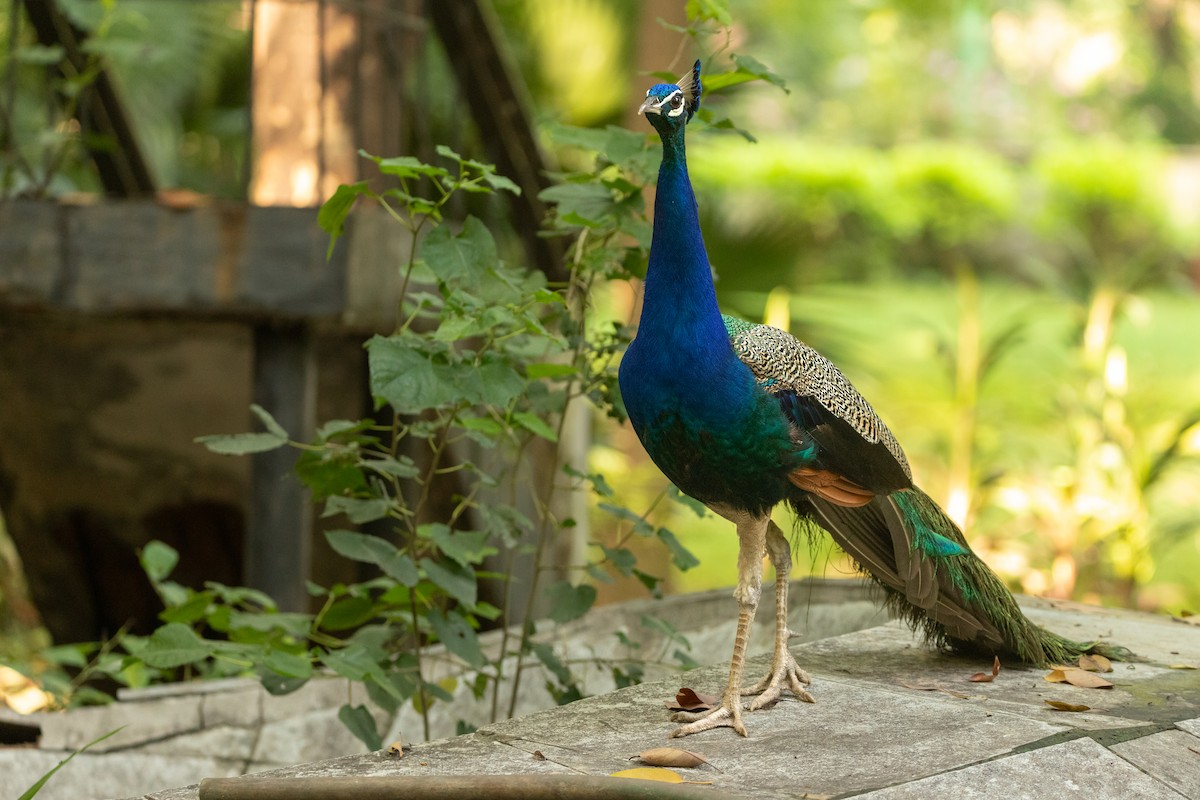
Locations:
(139, 255)
(31, 258)
(282, 267)
(143, 258)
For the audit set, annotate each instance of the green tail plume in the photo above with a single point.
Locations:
(932, 579)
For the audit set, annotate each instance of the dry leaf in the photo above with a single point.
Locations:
(930, 686)
(690, 700)
(650, 774)
(670, 757)
(1077, 677)
(1059, 705)
(396, 749)
(1095, 663)
(538, 755)
(1184, 666)
(983, 677)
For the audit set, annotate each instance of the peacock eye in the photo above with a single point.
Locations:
(676, 101)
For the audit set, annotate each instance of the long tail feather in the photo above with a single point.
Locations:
(932, 579)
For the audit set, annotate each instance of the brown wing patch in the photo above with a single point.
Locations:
(830, 486)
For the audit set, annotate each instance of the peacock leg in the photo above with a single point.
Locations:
(784, 670)
(751, 533)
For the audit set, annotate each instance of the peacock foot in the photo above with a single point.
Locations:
(726, 715)
(785, 673)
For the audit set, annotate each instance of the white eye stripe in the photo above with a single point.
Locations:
(674, 111)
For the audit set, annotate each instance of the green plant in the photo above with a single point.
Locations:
(37, 786)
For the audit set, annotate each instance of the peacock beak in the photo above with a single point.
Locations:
(651, 106)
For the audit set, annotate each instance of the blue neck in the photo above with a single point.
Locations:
(680, 302)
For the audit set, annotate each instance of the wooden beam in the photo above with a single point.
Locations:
(494, 98)
(107, 132)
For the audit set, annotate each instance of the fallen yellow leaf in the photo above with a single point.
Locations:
(1077, 677)
(650, 774)
(1059, 705)
(670, 757)
(1056, 675)
(1095, 663)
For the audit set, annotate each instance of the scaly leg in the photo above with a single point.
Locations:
(751, 533)
(784, 670)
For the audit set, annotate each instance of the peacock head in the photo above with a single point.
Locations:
(670, 106)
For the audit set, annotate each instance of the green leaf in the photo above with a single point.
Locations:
(465, 547)
(501, 182)
(332, 216)
(193, 609)
(292, 623)
(288, 665)
(278, 685)
(240, 444)
(352, 662)
(29, 793)
(330, 472)
(454, 579)
(709, 11)
(550, 660)
(465, 256)
(405, 379)
(174, 645)
(621, 559)
(550, 370)
(569, 602)
(681, 557)
(407, 167)
(458, 637)
(752, 66)
(268, 421)
(358, 720)
(402, 467)
(500, 383)
(349, 612)
(588, 203)
(640, 526)
(357, 509)
(536, 425)
(374, 550)
(158, 560)
(484, 425)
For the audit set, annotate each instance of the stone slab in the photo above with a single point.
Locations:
(219, 686)
(307, 737)
(90, 776)
(892, 656)
(893, 717)
(225, 742)
(240, 706)
(1171, 756)
(170, 717)
(1080, 768)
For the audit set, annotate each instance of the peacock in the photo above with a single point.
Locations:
(743, 417)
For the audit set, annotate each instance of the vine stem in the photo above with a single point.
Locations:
(547, 503)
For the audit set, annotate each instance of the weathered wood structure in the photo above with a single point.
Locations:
(130, 310)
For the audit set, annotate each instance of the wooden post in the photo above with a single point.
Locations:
(279, 542)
